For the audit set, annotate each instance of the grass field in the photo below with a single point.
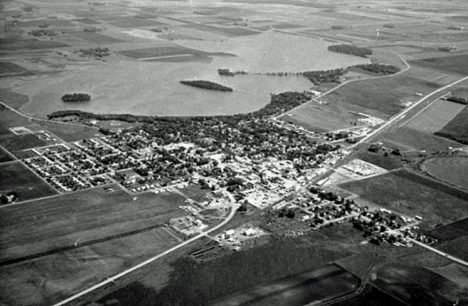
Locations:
(389, 162)
(18, 178)
(455, 64)
(457, 127)
(10, 119)
(52, 278)
(321, 118)
(435, 117)
(134, 22)
(4, 156)
(69, 132)
(410, 194)
(452, 170)
(90, 215)
(451, 231)
(21, 142)
(380, 97)
(11, 69)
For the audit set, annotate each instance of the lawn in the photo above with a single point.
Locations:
(457, 128)
(16, 177)
(380, 97)
(455, 64)
(411, 194)
(88, 216)
(49, 279)
(452, 170)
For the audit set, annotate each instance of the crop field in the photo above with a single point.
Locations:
(4, 156)
(451, 170)
(380, 97)
(371, 296)
(324, 283)
(54, 224)
(224, 31)
(7, 44)
(451, 231)
(457, 247)
(12, 98)
(457, 127)
(97, 38)
(410, 194)
(406, 139)
(134, 22)
(435, 117)
(360, 264)
(455, 64)
(432, 76)
(21, 142)
(163, 51)
(418, 286)
(49, 279)
(454, 272)
(16, 177)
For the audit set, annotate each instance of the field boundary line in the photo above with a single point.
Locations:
(148, 261)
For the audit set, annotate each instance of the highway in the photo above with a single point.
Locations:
(141, 265)
(445, 255)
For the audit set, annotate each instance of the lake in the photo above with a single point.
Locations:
(153, 88)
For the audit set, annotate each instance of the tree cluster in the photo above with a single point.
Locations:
(350, 49)
(206, 85)
(76, 97)
(379, 68)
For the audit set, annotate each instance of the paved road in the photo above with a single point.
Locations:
(116, 277)
(450, 257)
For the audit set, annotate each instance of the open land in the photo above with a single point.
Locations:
(111, 192)
(14, 176)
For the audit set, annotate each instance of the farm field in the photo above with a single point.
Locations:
(15, 143)
(435, 117)
(457, 247)
(454, 272)
(454, 64)
(410, 194)
(12, 98)
(92, 215)
(49, 279)
(418, 286)
(4, 156)
(451, 231)
(457, 128)
(371, 296)
(408, 139)
(16, 177)
(452, 170)
(380, 97)
(324, 283)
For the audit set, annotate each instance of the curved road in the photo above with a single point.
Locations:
(117, 276)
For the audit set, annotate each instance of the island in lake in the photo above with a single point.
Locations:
(207, 85)
(76, 97)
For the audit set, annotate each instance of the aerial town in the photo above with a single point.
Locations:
(233, 152)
